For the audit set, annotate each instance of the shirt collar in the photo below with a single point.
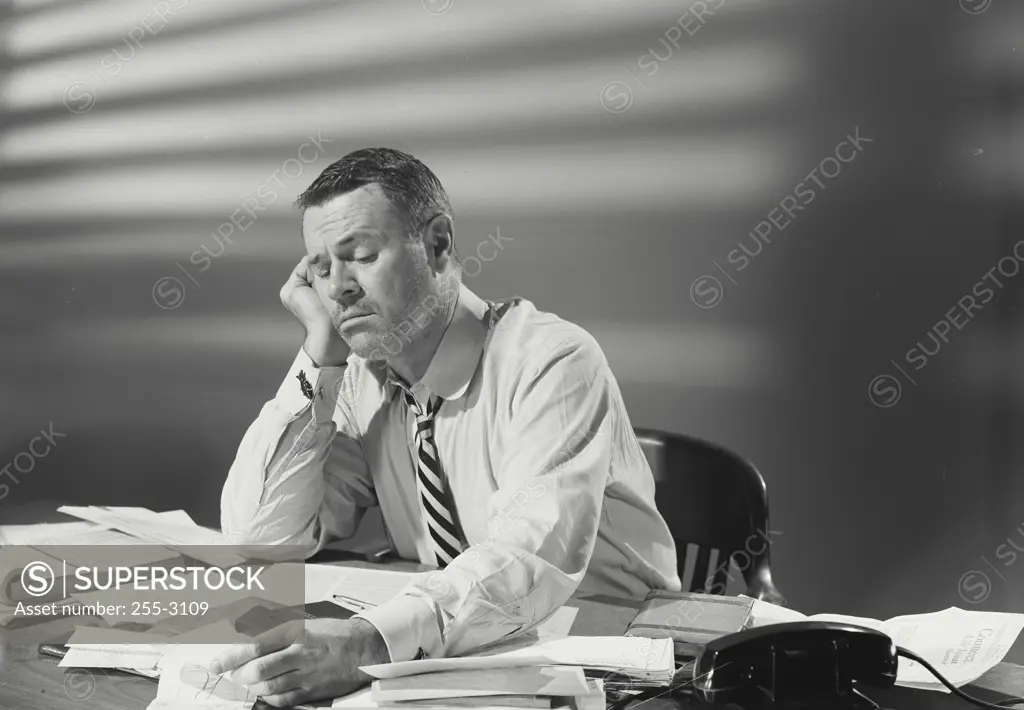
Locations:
(452, 367)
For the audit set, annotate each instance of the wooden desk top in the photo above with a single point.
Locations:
(29, 681)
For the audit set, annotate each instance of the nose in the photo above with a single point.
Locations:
(342, 286)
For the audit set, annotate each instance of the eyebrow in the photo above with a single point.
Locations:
(353, 237)
(345, 241)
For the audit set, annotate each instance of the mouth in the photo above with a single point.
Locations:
(354, 319)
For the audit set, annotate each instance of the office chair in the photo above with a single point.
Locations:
(717, 500)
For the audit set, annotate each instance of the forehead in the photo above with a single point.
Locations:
(363, 212)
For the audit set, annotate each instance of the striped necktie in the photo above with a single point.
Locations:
(444, 533)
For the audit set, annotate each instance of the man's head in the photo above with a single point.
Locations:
(379, 224)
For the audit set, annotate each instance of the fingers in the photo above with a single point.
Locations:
(259, 672)
(301, 274)
(266, 643)
(315, 692)
(288, 699)
(301, 277)
(291, 680)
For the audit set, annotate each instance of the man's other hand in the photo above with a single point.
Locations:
(323, 343)
(301, 661)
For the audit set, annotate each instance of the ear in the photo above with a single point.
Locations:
(439, 241)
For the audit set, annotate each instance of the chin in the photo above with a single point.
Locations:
(370, 346)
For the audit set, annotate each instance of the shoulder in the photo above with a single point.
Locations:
(531, 342)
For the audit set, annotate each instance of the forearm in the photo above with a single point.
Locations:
(276, 485)
(492, 592)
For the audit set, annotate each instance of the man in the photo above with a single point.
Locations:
(492, 436)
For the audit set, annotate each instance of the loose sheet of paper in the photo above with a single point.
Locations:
(369, 587)
(179, 517)
(962, 645)
(146, 651)
(85, 532)
(123, 649)
(321, 579)
(52, 533)
(186, 683)
(201, 543)
(86, 657)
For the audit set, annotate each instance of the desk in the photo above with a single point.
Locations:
(29, 681)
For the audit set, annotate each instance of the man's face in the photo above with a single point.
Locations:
(375, 282)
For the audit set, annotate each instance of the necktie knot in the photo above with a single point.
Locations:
(424, 415)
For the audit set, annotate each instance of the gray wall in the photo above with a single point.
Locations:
(623, 180)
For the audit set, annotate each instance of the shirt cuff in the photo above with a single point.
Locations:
(409, 627)
(306, 382)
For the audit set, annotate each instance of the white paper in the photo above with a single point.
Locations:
(49, 533)
(120, 649)
(179, 517)
(855, 620)
(93, 636)
(359, 699)
(202, 543)
(594, 699)
(370, 587)
(363, 700)
(765, 613)
(186, 683)
(321, 579)
(147, 651)
(85, 532)
(87, 657)
(549, 681)
(962, 645)
(638, 657)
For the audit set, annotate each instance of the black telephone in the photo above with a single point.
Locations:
(803, 664)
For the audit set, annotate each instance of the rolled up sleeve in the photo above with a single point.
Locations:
(299, 477)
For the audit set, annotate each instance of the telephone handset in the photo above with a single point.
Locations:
(810, 664)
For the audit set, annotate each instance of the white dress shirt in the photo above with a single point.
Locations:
(551, 488)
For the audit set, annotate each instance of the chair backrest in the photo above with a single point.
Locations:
(716, 500)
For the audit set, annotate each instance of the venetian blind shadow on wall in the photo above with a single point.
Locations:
(133, 140)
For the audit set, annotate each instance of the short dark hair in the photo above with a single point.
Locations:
(409, 185)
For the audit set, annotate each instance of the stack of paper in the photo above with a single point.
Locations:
(962, 645)
(649, 661)
(526, 687)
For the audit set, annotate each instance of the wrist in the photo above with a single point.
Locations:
(326, 349)
(375, 648)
